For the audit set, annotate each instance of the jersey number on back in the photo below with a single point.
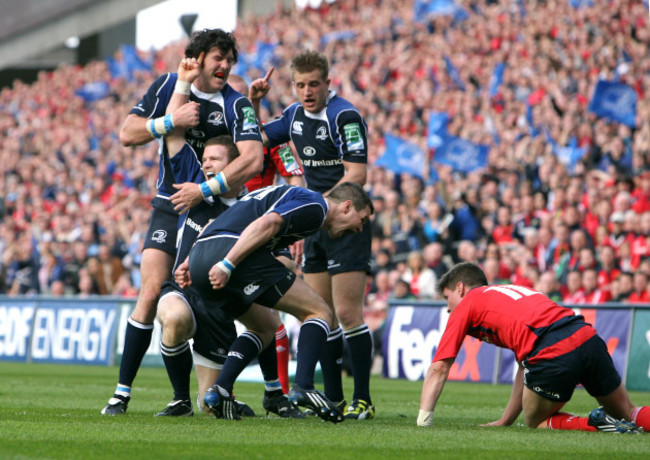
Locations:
(512, 291)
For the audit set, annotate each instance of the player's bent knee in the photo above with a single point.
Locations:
(176, 321)
(349, 318)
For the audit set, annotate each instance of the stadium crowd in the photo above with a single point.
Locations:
(74, 202)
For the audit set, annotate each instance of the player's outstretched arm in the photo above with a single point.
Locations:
(432, 387)
(514, 407)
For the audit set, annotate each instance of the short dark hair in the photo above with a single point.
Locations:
(226, 141)
(354, 192)
(206, 39)
(471, 275)
(308, 61)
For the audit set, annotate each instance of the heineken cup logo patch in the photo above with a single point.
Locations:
(250, 122)
(353, 136)
(288, 159)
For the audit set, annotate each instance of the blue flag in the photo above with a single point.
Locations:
(402, 156)
(581, 3)
(569, 155)
(261, 59)
(437, 129)
(129, 63)
(422, 9)
(337, 36)
(265, 56)
(615, 101)
(94, 91)
(461, 154)
(496, 79)
(453, 73)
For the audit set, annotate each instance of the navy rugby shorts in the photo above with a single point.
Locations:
(163, 227)
(260, 278)
(347, 253)
(214, 329)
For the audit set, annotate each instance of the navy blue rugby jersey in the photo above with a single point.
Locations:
(303, 210)
(224, 112)
(323, 140)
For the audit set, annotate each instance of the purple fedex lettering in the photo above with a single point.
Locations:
(411, 343)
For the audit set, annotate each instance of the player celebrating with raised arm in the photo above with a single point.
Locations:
(215, 109)
(555, 349)
(232, 265)
(330, 137)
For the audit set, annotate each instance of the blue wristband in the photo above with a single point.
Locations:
(222, 183)
(228, 264)
(152, 129)
(169, 124)
(205, 189)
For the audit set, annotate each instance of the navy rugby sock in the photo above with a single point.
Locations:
(243, 350)
(312, 338)
(331, 363)
(136, 342)
(359, 342)
(268, 361)
(178, 362)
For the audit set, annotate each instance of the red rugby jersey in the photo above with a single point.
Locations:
(508, 316)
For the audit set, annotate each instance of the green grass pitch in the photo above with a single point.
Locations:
(52, 412)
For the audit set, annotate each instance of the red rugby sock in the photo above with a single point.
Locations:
(641, 416)
(564, 421)
(282, 350)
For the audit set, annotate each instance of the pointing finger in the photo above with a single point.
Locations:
(268, 74)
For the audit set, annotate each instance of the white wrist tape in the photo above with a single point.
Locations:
(182, 87)
(226, 266)
(425, 418)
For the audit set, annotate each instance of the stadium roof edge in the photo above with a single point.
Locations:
(44, 34)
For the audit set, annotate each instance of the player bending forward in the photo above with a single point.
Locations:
(555, 349)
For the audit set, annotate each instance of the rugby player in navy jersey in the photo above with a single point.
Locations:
(329, 134)
(233, 267)
(555, 351)
(182, 314)
(215, 109)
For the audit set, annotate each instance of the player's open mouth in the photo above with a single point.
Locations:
(220, 74)
(210, 174)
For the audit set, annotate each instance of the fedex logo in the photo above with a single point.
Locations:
(412, 337)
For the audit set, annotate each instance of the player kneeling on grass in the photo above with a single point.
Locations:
(233, 267)
(555, 349)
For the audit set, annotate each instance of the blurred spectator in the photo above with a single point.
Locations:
(433, 254)
(503, 231)
(422, 280)
(639, 288)
(609, 270)
(571, 260)
(51, 270)
(467, 252)
(402, 291)
(492, 269)
(591, 293)
(381, 288)
(572, 292)
(625, 287)
(547, 284)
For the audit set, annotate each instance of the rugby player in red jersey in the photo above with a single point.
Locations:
(555, 350)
